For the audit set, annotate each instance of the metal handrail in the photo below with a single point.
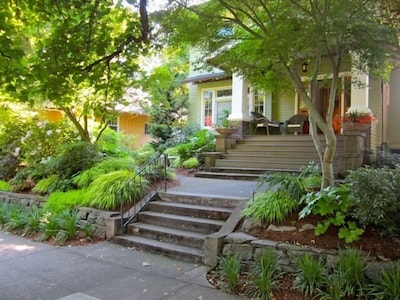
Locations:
(155, 172)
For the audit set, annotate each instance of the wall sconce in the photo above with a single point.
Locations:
(304, 67)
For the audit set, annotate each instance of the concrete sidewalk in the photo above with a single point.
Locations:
(32, 270)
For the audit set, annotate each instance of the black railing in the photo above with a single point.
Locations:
(151, 178)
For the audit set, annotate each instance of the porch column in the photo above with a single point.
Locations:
(240, 104)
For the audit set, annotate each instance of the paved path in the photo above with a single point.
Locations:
(32, 270)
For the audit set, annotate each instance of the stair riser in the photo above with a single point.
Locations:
(179, 224)
(183, 211)
(295, 166)
(196, 200)
(165, 237)
(175, 254)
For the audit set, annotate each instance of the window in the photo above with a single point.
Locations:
(259, 101)
(207, 100)
(214, 103)
(113, 124)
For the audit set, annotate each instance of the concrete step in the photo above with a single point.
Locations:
(192, 210)
(267, 165)
(185, 253)
(201, 225)
(201, 199)
(166, 234)
(227, 175)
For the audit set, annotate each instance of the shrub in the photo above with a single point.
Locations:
(229, 268)
(85, 178)
(376, 198)
(310, 275)
(382, 159)
(15, 218)
(271, 206)
(191, 163)
(111, 190)
(264, 277)
(33, 218)
(49, 225)
(68, 223)
(9, 165)
(73, 159)
(5, 186)
(59, 201)
(201, 141)
(284, 182)
(333, 203)
(115, 144)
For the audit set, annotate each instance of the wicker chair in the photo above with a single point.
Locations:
(295, 124)
(260, 120)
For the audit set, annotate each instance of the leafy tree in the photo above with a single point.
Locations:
(168, 96)
(80, 56)
(268, 40)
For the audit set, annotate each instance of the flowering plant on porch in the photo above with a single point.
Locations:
(352, 118)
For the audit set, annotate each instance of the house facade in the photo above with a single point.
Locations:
(213, 91)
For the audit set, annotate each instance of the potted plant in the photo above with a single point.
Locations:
(357, 120)
(225, 126)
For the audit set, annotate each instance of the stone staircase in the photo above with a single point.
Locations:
(176, 224)
(254, 155)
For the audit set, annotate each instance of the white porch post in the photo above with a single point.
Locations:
(240, 104)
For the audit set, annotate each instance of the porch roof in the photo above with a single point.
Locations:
(207, 77)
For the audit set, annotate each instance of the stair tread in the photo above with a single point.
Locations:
(162, 245)
(182, 218)
(168, 230)
(193, 206)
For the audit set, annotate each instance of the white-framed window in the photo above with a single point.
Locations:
(259, 101)
(113, 124)
(214, 103)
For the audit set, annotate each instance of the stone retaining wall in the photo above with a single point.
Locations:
(249, 248)
(86, 215)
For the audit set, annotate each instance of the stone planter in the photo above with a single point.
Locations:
(350, 126)
(226, 131)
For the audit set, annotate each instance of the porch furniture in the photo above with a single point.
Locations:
(295, 124)
(260, 120)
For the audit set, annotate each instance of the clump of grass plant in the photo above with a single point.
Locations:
(387, 285)
(46, 185)
(88, 230)
(59, 201)
(85, 178)
(271, 206)
(229, 268)
(111, 190)
(33, 218)
(264, 277)
(68, 223)
(15, 218)
(5, 186)
(49, 226)
(310, 275)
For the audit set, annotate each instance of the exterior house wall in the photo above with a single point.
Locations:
(394, 111)
(134, 124)
(53, 115)
(375, 104)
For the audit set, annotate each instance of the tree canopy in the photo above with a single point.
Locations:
(267, 41)
(77, 56)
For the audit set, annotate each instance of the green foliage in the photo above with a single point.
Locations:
(144, 154)
(265, 276)
(68, 223)
(46, 185)
(4, 207)
(201, 141)
(33, 217)
(88, 230)
(4, 186)
(85, 178)
(73, 159)
(49, 225)
(191, 163)
(111, 190)
(60, 201)
(310, 275)
(9, 165)
(352, 268)
(387, 286)
(15, 218)
(115, 144)
(384, 159)
(271, 206)
(229, 268)
(334, 204)
(376, 198)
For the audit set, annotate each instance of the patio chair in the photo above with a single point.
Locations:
(295, 124)
(260, 120)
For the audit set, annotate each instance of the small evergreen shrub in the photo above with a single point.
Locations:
(191, 163)
(376, 198)
(384, 159)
